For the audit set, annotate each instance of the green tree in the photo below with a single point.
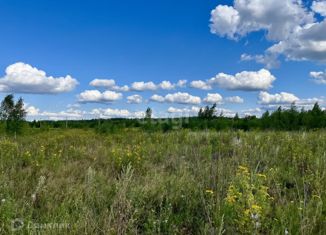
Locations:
(12, 113)
(265, 120)
(201, 113)
(148, 113)
(207, 112)
(7, 107)
(316, 117)
(211, 112)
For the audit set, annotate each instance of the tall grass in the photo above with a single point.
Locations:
(180, 182)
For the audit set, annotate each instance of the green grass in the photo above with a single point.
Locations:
(164, 183)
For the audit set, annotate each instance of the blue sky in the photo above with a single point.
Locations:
(155, 41)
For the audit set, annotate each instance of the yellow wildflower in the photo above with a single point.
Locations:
(247, 212)
(256, 208)
(230, 199)
(209, 191)
(262, 176)
(243, 168)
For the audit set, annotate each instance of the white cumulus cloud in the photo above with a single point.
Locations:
(251, 112)
(319, 7)
(278, 98)
(280, 18)
(199, 84)
(234, 100)
(135, 99)
(192, 111)
(318, 77)
(294, 28)
(269, 60)
(213, 98)
(32, 111)
(182, 83)
(157, 98)
(95, 96)
(109, 84)
(247, 81)
(179, 97)
(167, 85)
(116, 113)
(70, 114)
(182, 98)
(23, 78)
(151, 86)
(143, 86)
(225, 21)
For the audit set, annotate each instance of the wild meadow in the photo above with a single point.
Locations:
(179, 182)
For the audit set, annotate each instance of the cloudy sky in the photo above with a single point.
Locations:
(103, 58)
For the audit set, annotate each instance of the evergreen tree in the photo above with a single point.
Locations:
(148, 113)
(207, 112)
(265, 120)
(316, 117)
(211, 112)
(200, 113)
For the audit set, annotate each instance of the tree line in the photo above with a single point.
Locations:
(13, 116)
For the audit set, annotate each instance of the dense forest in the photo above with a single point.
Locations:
(281, 119)
(12, 119)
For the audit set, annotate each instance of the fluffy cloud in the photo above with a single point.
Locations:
(157, 98)
(280, 18)
(319, 7)
(179, 97)
(120, 88)
(32, 111)
(251, 112)
(76, 114)
(182, 98)
(284, 99)
(134, 99)
(95, 96)
(234, 100)
(225, 112)
(225, 21)
(116, 113)
(309, 103)
(70, 114)
(318, 77)
(307, 43)
(108, 84)
(269, 60)
(247, 81)
(151, 86)
(166, 85)
(185, 111)
(214, 98)
(298, 34)
(200, 85)
(143, 86)
(306, 104)
(23, 78)
(182, 83)
(281, 98)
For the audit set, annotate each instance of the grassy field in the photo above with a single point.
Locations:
(80, 182)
